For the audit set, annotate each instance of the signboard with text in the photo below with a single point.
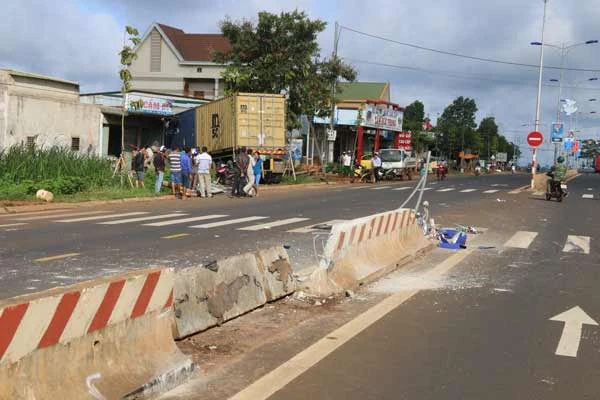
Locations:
(152, 105)
(404, 140)
(558, 130)
(382, 117)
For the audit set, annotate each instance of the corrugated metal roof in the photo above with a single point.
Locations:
(361, 90)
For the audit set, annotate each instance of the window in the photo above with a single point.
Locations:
(74, 144)
(30, 140)
(243, 108)
(155, 49)
(199, 69)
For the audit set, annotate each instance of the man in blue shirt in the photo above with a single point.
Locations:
(186, 171)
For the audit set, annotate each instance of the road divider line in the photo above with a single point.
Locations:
(58, 257)
(491, 191)
(15, 224)
(228, 222)
(577, 244)
(98, 217)
(275, 380)
(381, 188)
(403, 188)
(521, 239)
(445, 190)
(273, 224)
(178, 235)
(141, 219)
(25, 214)
(468, 190)
(185, 220)
(516, 191)
(59, 215)
(588, 196)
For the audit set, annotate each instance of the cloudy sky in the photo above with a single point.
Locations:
(79, 40)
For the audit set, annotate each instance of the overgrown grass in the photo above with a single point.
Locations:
(69, 175)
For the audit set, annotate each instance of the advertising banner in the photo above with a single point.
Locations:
(558, 131)
(152, 105)
(404, 140)
(296, 149)
(382, 117)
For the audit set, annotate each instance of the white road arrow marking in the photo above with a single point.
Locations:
(574, 319)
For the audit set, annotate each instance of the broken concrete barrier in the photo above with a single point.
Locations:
(364, 249)
(209, 295)
(106, 339)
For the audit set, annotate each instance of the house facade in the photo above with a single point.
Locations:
(173, 62)
(45, 111)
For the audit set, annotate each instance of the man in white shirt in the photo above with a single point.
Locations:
(204, 164)
(376, 165)
(347, 162)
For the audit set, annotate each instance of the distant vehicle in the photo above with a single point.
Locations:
(597, 162)
(398, 163)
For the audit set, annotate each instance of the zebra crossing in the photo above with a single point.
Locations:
(496, 189)
(175, 219)
(573, 243)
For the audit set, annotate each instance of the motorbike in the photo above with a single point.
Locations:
(477, 170)
(440, 173)
(362, 174)
(224, 175)
(555, 189)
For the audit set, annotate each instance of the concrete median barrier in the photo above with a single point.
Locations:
(209, 295)
(109, 338)
(364, 249)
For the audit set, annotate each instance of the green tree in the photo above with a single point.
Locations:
(457, 122)
(488, 133)
(280, 53)
(414, 116)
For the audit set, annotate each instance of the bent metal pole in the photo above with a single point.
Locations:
(539, 96)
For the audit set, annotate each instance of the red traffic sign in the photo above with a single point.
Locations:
(534, 139)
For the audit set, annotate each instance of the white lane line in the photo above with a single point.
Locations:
(130, 214)
(521, 239)
(311, 228)
(588, 196)
(26, 214)
(491, 191)
(228, 222)
(517, 191)
(468, 190)
(381, 188)
(141, 219)
(185, 220)
(273, 224)
(403, 188)
(445, 190)
(358, 187)
(281, 376)
(62, 214)
(427, 188)
(16, 224)
(577, 244)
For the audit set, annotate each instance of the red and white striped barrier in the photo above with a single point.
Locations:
(362, 249)
(53, 341)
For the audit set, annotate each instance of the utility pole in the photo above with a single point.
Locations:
(539, 96)
(336, 39)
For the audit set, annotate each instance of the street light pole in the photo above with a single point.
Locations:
(539, 95)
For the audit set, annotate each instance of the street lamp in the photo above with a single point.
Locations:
(564, 49)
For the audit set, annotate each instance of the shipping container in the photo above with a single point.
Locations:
(185, 134)
(254, 120)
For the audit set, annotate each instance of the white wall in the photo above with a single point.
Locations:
(53, 121)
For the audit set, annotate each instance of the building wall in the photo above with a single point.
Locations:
(172, 73)
(48, 116)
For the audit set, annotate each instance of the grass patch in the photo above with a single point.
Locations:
(300, 179)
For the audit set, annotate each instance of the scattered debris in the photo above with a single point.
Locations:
(318, 303)
(500, 290)
(486, 247)
(287, 246)
(501, 201)
(300, 295)
(212, 347)
(349, 293)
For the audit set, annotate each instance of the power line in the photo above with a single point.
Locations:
(453, 74)
(414, 46)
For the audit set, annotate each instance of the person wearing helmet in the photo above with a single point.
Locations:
(558, 172)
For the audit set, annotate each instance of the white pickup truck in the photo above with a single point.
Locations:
(397, 163)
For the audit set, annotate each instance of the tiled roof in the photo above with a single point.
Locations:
(196, 46)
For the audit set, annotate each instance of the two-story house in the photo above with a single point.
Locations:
(174, 62)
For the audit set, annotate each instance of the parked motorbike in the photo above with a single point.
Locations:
(224, 175)
(362, 174)
(555, 189)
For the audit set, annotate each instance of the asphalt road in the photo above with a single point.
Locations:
(45, 249)
(492, 328)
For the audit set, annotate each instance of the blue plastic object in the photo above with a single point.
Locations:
(452, 239)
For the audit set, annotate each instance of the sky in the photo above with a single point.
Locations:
(79, 40)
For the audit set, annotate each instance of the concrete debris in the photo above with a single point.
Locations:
(501, 201)
(300, 295)
(349, 293)
(318, 303)
(212, 347)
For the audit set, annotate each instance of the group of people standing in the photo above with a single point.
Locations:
(247, 173)
(189, 169)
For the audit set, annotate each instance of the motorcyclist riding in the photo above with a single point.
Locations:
(557, 173)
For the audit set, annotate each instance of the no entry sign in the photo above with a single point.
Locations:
(534, 139)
